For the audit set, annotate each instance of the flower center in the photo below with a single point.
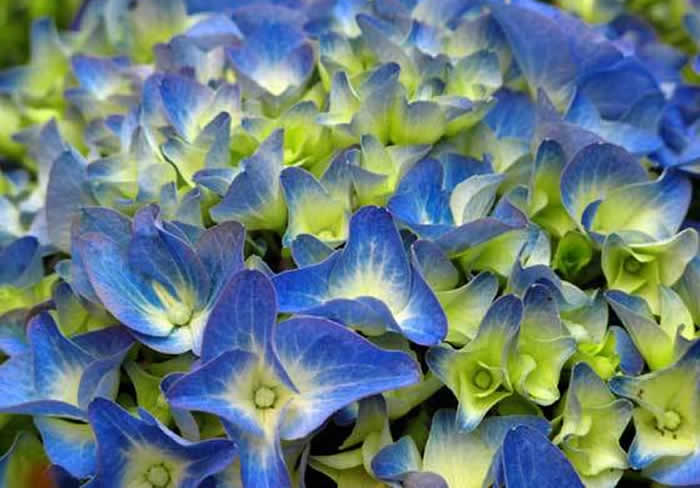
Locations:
(265, 397)
(632, 265)
(482, 379)
(178, 312)
(671, 420)
(158, 476)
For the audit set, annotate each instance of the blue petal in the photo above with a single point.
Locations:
(100, 76)
(422, 320)
(22, 264)
(613, 91)
(184, 419)
(243, 317)
(13, 337)
(215, 179)
(262, 461)
(255, 197)
(397, 460)
(57, 361)
(126, 294)
(214, 30)
(520, 462)
(367, 314)
(676, 471)
(420, 198)
(17, 383)
(220, 249)
(104, 343)
(185, 101)
(164, 257)
(631, 362)
(65, 195)
(69, 445)
(550, 55)
(275, 58)
(95, 219)
(305, 288)
(307, 250)
(635, 139)
(332, 370)
(472, 234)
(458, 168)
(373, 262)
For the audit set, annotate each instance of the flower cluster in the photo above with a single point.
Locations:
(426, 244)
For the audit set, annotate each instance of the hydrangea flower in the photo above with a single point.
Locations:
(267, 383)
(666, 441)
(141, 452)
(593, 421)
(154, 278)
(478, 374)
(60, 376)
(369, 284)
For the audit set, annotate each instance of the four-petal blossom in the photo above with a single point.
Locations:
(270, 382)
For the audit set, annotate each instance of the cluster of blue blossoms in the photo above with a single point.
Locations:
(402, 243)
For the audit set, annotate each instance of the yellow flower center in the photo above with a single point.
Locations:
(671, 420)
(178, 312)
(265, 397)
(483, 379)
(632, 265)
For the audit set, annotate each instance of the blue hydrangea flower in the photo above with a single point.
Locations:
(370, 284)
(202, 119)
(155, 278)
(453, 204)
(275, 59)
(59, 376)
(267, 382)
(141, 452)
(254, 197)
